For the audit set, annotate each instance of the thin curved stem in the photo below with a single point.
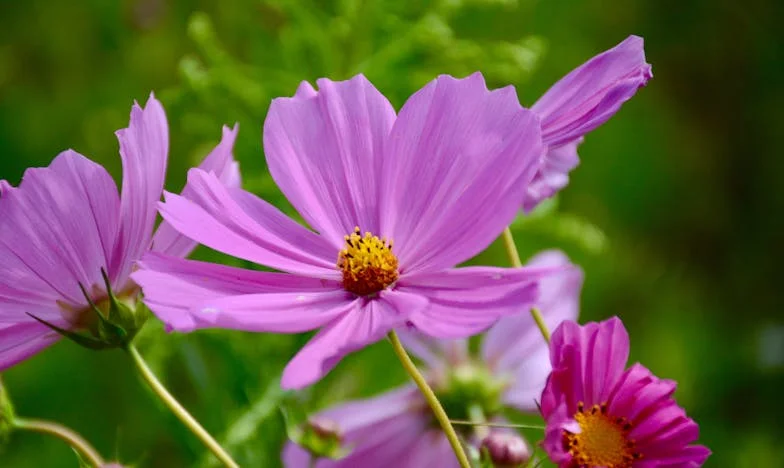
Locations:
(431, 398)
(176, 408)
(463, 422)
(514, 259)
(63, 433)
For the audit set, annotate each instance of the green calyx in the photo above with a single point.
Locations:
(322, 438)
(112, 322)
(471, 392)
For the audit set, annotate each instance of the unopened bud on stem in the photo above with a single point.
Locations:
(506, 450)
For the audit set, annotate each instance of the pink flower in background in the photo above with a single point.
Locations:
(397, 428)
(580, 102)
(441, 180)
(600, 414)
(66, 223)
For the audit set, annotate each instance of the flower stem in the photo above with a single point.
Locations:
(176, 408)
(431, 398)
(63, 433)
(514, 258)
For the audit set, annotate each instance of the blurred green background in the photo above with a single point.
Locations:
(675, 212)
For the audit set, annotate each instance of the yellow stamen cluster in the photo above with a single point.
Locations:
(602, 441)
(368, 263)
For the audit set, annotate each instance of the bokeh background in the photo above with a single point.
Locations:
(675, 213)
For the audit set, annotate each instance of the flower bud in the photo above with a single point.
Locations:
(505, 450)
(322, 437)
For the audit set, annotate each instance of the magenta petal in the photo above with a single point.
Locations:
(220, 162)
(240, 224)
(56, 231)
(22, 340)
(361, 324)
(465, 301)
(324, 151)
(178, 290)
(144, 147)
(528, 378)
(592, 93)
(457, 164)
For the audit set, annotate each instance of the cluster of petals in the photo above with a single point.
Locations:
(598, 413)
(66, 223)
(440, 180)
(397, 427)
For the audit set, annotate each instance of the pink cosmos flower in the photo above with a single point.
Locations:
(442, 179)
(599, 414)
(66, 223)
(397, 427)
(580, 102)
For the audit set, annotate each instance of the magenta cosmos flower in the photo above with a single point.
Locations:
(397, 428)
(66, 223)
(600, 414)
(578, 103)
(441, 180)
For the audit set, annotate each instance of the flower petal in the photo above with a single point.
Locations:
(456, 165)
(324, 151)
(362, 323)
(220, 162)
(178, 292)
(23, 340)
(553, 175)
(144, 148)
(592, 93)
(240, 224)
(465, 301)
(511, 341)
(57, 230)
(602, 349)
(4, 187)
(437, 354)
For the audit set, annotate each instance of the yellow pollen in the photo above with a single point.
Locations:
(602, 441)
(368, 263)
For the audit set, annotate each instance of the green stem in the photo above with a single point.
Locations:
(431, 398)
(176, 408)
(63, 433)
(514, 258)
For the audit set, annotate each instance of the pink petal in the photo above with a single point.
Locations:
(528, 378)
(355, 416)
(364, 323)
(178, 291)
(510, 342)
(56, 230)
(592, 93)
(465, 301)
(4, 187)
(553, 175)
(23, 340)
(144, 147)
(457, 164)
(240, 224)
(220, 162)
(606, 356)
(324, 151)
(437, 354)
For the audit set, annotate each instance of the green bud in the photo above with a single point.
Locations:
(470, 388)
(322, 438)
(112, 322)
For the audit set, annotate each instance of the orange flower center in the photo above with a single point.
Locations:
(368, 263)
(602, 440)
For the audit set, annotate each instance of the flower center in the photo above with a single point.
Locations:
(602, 440)
(368, 263)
